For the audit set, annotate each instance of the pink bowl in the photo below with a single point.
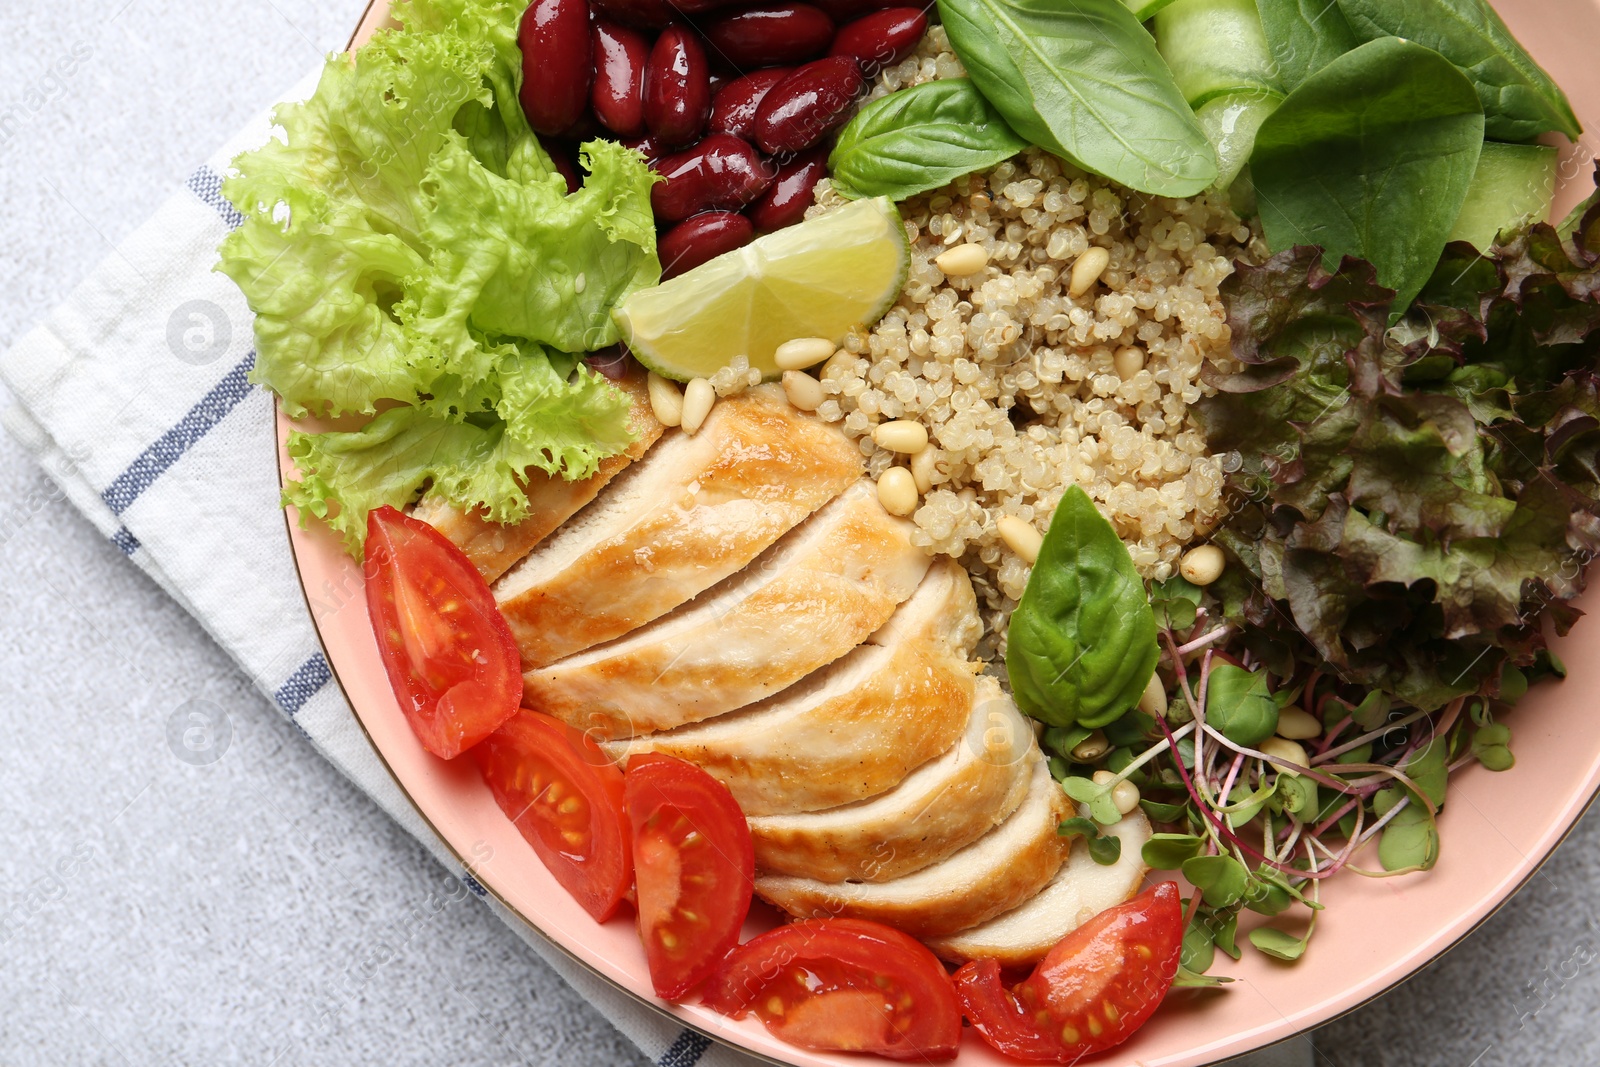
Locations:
(1497, 828)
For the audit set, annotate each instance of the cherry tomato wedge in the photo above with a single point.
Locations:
(696, 869)
(447, 649)
(565, 797)
(843, 985)
(1094, 989)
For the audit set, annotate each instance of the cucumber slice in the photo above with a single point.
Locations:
(1215, 47)
(1231, 121)
(1514, 182)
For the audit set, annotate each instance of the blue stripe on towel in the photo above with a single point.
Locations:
(125, 540)
(154, 461)
(303, 684)
(206, 184)
(686, 1051)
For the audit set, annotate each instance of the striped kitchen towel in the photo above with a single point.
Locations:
(134, 396)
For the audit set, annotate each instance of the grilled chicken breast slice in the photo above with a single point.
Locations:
(989, 877)
(940, 809)
(1081, 890)
(812, 598)
(857, 727)
(693, 511)
(493, 547)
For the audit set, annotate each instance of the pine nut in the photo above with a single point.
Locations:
(698, 396)
(897, 491)
(962, 260)
(1297, 725)
(1202, 565)
(1088, 269)
(1154, 700)
(1103, 778)
(803, 391)
(1125, 795)
(1021, 537)
(922, 468)
(902, 436)
(1091, 748)
(802, 353)
(1280, 748)
(1129, 361)
(666, 400)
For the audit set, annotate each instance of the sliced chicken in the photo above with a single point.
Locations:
(989, 877)
(855, 728)
(1081, 890)
(493, 547)
(693, 511)
(940, 809)
(813, 597)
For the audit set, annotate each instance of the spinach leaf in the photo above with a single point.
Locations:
(1084, 81)
(1372, 157)
(919, 139)
(1082, 643)
(1520, 101)
(1304, 36)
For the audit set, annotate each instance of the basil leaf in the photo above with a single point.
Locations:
(1239, 705)
(1082, 643)
(1372, 158)
(1084, 81)
(1520, 101)
(919, 139)
(1304, 36)
(1222, 880)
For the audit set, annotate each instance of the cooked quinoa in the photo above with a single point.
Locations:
(1016, 380)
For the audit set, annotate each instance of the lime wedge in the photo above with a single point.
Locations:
(818, 278)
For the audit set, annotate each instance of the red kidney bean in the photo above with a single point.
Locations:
(564, 155)
(733, 109)
(646, 146)
(697, 7)
(771, 35)
(785, 202)
(843, 11)
(620, 55)
(610, 362)
(702, 238)
(652, 13)
(557, 63)
(809, 104)
(881, 39)
(587, 128)
(677, 88)
(720, 173)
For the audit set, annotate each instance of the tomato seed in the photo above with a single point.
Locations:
(1069, 1035)
(570, 806)
(667, 938)
(1111, 1012)
(775, 1006)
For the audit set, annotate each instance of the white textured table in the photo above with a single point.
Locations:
(153, 911)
